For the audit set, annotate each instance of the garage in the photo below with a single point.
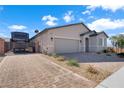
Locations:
(66, 45)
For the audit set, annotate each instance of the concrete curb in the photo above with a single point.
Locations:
(113, 81)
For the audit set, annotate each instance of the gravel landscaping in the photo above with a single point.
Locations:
(94, 71)
(93, 57)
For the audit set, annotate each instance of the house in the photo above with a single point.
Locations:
(68, 39)
(7, 44)
(2, 46)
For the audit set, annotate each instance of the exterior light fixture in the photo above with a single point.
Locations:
(51, 38)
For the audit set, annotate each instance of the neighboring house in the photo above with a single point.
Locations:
(69, 38)
(7, 44)
(2, 46)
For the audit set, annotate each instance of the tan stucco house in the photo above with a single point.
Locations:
(68, 39)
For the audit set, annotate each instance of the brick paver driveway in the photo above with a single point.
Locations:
(33, 70)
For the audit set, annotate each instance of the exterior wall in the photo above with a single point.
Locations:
(7, 46)
(83, 43)
(46, 41)
(104, 46)
(1, 46)
(41, 43)
(93, 44)
(71, 32)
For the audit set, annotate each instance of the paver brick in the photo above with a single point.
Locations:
(33, 70)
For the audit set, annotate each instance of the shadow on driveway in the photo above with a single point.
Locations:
(10, 53)
(92, 57)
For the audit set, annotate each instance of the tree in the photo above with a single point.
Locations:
(121, 42)
(118, 42)
(114, 40)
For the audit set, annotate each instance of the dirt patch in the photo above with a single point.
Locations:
(104, 69)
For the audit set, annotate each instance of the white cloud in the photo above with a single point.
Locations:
(89, 10)
(91, 17)
(17, 27)
(86, 12)
(2, 35)
(81, 19)
(113, 8)
(122, 33)
(50, 20)
(112, 34)
(106, 24)
(68, 16)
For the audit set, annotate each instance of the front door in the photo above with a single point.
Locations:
(87, 44)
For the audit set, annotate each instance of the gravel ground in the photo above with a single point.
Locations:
(109, 66)
(34, 70)
(105, 69)
(93, 57)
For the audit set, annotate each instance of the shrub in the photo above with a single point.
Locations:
(49, 54)
(61, 58)
(120, 55)
(111, 50)
(45, 52)
(98, 52)
(55, 55)
(92, 69)
(105, 51)
(73, 62)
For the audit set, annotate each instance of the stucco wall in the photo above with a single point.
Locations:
(93, 44)
(46, 40)
(41, 42)
(100, 48)
(70, 32)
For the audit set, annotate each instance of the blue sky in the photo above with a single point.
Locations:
(28, 18)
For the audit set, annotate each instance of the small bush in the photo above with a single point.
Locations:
(98, 52)
(92, 70)
(105, 51)
(120, 55)
(45, 52)
(49, 54)
(55, 55)
(109, 49)
(73, 62)
(61, 58)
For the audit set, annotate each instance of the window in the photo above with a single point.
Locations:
(100, 41)
(105, 41)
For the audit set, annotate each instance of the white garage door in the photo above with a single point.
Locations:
(66, 45)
